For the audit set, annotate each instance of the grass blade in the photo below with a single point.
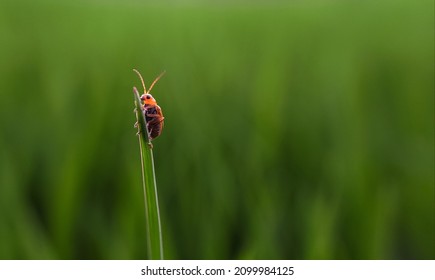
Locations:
(152, 213)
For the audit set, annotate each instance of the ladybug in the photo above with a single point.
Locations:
(152, 112)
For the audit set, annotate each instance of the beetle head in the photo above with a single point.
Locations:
(148, 99)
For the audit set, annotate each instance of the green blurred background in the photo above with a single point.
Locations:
(294, 129)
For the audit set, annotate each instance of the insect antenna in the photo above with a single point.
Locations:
(143, 84)
(155, 81)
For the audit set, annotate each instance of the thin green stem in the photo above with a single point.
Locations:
(152, 213)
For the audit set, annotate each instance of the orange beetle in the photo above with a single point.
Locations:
(153, 113)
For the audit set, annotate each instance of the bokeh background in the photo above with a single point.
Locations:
(294, 129)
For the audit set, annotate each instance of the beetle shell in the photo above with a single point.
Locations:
(154, 120)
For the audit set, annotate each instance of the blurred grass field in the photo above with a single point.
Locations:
(300, 130)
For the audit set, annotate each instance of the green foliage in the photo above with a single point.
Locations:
(293, 130)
